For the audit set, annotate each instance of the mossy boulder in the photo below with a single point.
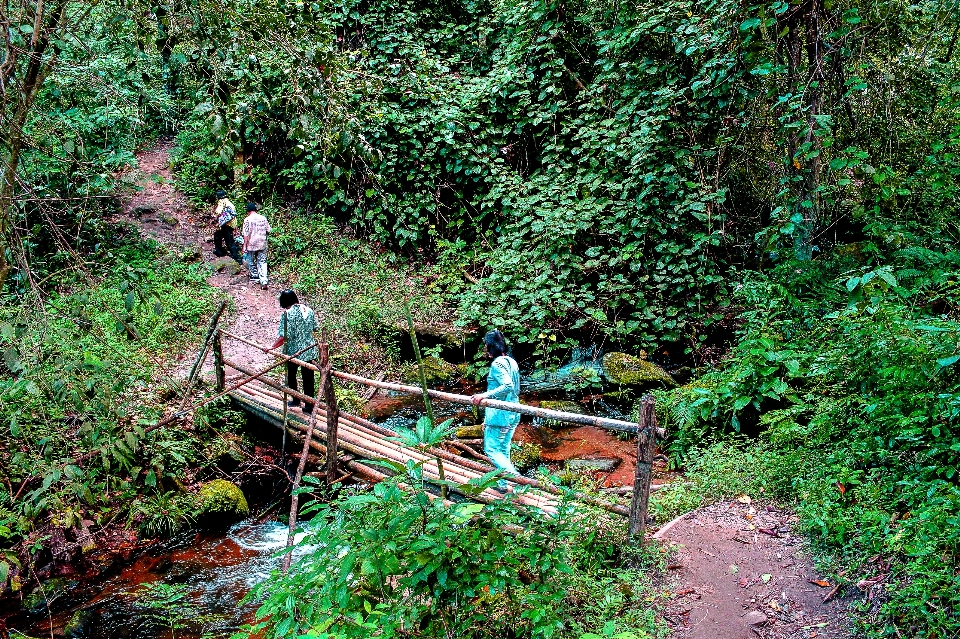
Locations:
(628, 370)
(525, 456)
(559, 405)
(227, 265)
(435, 370)
(470, 432)
(220, 503)
(80, 624)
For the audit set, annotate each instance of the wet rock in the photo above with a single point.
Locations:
(435, 370)
(41, 600)
(384, 406)
(220, 503)
(582, 371)
(80, 624)
(225, 264)
(602, 464)
(755, 618)
(525, 456)
(558, 405)
(169, 219)
(143, 209)
(628, 370)
(191, 253)
(470, 432)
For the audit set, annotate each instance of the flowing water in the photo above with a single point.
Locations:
(191, 586)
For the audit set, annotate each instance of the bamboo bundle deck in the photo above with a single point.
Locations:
(373, 433)
(365, 443)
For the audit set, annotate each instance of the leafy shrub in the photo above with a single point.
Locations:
(395, 559)
(857, 411)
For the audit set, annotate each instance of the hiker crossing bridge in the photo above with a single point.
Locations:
(349, 442)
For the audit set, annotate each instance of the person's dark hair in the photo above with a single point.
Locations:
(496, 343)
(221, 194)
(288, 298)
(251, 206)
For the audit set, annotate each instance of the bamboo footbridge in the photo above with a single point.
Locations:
(356, 441)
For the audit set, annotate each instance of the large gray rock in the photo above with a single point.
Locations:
(602, 464)
(226, 264)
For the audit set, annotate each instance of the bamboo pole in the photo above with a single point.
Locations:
(332, 416)
(295, 496)
(218, 361)
(207, 340)
(361, 444)
(646, 440)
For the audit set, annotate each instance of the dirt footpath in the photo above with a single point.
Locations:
(741, 572)
(162, 212)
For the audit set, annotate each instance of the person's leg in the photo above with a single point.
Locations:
(496, 445)
(254, 275)
(262, 266)
(218, 237)
(309, 387)
(234, 246)
(292, 381)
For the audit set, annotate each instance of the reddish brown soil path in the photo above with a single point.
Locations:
(161, 212)
(741, 572)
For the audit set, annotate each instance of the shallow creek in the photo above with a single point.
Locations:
(203, 578)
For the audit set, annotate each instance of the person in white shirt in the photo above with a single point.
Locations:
(255, 230)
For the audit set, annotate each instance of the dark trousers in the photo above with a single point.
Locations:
(225, 235)
(309, 383)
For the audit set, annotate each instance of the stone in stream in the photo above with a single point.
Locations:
(602, 464)
(470, 432)
(220, 503)
(628, 370)
(435, 370)
(525, 456)
(558, 405)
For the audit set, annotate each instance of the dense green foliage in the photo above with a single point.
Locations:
(855, 386)
(595, 171)
(603, 164)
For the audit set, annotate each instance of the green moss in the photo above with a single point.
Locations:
(78, 624)
(525, 456)
(628, 370)
(222, 499)
(563, 406)
(435, 369)
(470, 432)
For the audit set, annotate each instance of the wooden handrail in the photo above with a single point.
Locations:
(523, 409)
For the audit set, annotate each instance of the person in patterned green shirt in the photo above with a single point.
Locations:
(297, 325)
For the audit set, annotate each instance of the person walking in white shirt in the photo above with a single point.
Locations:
(255, 230)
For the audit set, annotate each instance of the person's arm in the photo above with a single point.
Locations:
(280, 332)
(217, 210)
(246, 235)
(504, 385)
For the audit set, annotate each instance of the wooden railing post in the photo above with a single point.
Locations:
(646, 441)
(218, 362)
(333, 412)
(202, 355)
